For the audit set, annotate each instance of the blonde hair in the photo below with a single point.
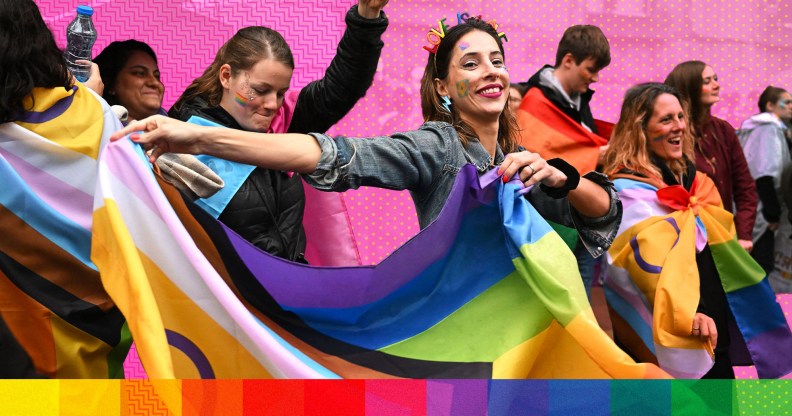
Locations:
(629, 147)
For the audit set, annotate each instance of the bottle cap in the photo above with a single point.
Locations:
(85, 10)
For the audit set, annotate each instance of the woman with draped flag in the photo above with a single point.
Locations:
(485, 290)
(682, 291)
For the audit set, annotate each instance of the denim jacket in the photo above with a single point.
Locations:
(426, 162)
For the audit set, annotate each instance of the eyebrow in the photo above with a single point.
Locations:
(474, 53)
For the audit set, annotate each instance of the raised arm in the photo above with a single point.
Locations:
(323, 102)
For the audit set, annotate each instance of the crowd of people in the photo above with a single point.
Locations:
(665, 139)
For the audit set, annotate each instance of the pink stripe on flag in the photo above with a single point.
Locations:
(61, 196)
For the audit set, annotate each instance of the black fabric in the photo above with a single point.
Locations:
(268, 208)
(573, 179)
(14, 361)
(764, 251)
(582, 116)
(771, 207)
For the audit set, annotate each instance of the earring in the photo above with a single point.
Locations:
(446, 103)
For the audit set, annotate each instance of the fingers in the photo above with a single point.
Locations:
(746, 244)
(517, 163)
(145, 125)
(704, 328)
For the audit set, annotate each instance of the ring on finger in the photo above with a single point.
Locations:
(532, 170)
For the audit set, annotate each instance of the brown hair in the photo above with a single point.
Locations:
(583, 42)
(246, 48)
(437, 67)
(686, 79)
(770, 94)
(628, 147)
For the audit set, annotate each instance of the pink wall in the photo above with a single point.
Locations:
(747, 42)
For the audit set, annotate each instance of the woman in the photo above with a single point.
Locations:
(51, 297)
(763, 140)
(132, 78)
(717, 149)
(247, 88)
(464, 100)
(675, 251)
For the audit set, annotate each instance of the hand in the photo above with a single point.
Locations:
(94, 81)
(163, 135)
(370, 9)
(531, 168)
(746, 244)
(772, 226)
(704, 328)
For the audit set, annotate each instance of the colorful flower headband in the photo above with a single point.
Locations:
(435, 36)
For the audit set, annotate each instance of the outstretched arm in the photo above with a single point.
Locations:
(290, 152)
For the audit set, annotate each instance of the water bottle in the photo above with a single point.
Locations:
(80, 37)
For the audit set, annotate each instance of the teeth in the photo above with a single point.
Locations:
(491, 90)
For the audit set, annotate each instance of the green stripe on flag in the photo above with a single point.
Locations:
(491, 315)
(736, 267)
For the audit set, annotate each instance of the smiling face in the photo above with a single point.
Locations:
(710, 87)
(477, 81)
(665, 127)
(253, 97)
(138, 87)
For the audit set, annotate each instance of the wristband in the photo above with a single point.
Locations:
(573, 179)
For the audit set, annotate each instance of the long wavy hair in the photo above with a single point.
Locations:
(629, 147)
(246, 48)
(437, 67)
(29, 57)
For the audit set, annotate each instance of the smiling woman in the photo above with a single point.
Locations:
(132, 78)
(676, 256)
(718, 151)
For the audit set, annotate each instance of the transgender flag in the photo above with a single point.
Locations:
(486, 291)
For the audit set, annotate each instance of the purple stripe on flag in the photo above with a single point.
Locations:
(353, 282)
(772, 353)
(649, 268)
(192, 352)
(673, 223)
(51, 113)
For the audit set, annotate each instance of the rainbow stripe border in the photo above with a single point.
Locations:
(394, 397)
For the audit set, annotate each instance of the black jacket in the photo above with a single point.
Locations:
(267, 210)
(582, 116)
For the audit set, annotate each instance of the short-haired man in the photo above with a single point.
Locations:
(555, 117)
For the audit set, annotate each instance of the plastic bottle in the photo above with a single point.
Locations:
(80, 37)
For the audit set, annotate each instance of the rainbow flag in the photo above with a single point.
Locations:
(546, 130)
(653, 281)
(486, 291)
(51, 294)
